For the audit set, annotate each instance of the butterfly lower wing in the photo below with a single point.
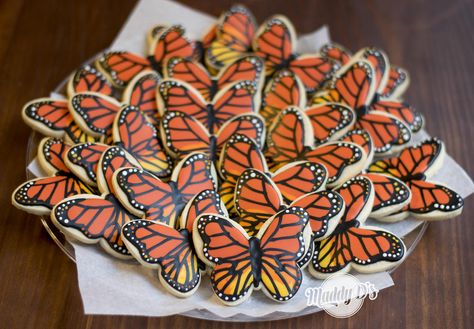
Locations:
(140, 138)
(91, 219)
(248, 68)
(313, 71)
(83, 160)
(157, 245)
(398, 81)
(402, 111)
(51, 152)
(362, 138)
(248, 125)
(171, 42)
(336, 52)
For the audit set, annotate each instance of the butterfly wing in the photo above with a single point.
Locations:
(94, 113)
(171, 42)
(160, 246)
(402, 111)
(281, 242)
(87, 78)
(314, 71)
(256, 199)
(283, 90)
(83, 160)
(141, 92)
(391, 194)
(222, 244)
(192, 73)
(183, 134)
(249, 125)
(336, 52)
(139, 137)
(363, 139)
(120, 67)
(38, 196)
(205, 202)
(330, 121)
(379, 61)
(397, 83)
(234, 35)
(93, 219)
(50, 155)
(248, 68)
(299, 178)
(234, 100)
(431, 201)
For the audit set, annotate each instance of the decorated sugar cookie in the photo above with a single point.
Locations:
(233, 37)
(145, 195)
(183, 134)
(171, 251)
(120, 67)
(248, 68)
(133, 132)
(51, 117)
(93, 219)
(87, 78)
(293, 180)
(38, 196)
(291, 139)
(275, 42)
(415, 166)
(94, 112)
(83, 160)
(241, 97)
(141, 92)
(241, 264)
(352, 245)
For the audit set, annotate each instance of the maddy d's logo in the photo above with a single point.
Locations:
(341, 295)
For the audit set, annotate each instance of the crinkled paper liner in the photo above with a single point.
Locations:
(115, 287)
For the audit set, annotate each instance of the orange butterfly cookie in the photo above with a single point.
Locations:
(241, 264)
(146, 196)
(415, 166)
(169, 250)
(95, 219)
(291, 139)
(232, 39)
(246, 68)
(238, 98)
(51, 117)
(293, 180)
(120, 67)
(87, 78)
(183, 134)
(275, 42)
(352, 245)
(38, 196)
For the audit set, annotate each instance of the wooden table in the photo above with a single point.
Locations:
(42, 41)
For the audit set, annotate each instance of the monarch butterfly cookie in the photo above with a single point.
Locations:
(169, 250)
(241, 264)
(352, 245)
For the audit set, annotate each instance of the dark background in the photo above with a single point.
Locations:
(41, 42)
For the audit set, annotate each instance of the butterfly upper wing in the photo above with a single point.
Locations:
(224, 245)
(421, 159)
(402, 111)
(141, 92)
(94, 113)
(358, 195)
(256, 199)
(87, 78)
(299, 178)
(397, 83)
(234, 100)
(140, 138)
(275, 43)
(38, 196)
(171, 42)
(391, 194)
(330, 121)
(205, 202)
(83, 160)
(192, 73)
(158, 245)
(379, 61)
(50, 155)
(183, 134)
(234, 35)
(90, 219)
(283, 90)
(120, 67)
(431, 201)
(336, 52)
(281, 242)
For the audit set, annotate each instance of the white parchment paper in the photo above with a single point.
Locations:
(111, 286)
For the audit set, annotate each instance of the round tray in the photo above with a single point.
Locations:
(411, 240)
